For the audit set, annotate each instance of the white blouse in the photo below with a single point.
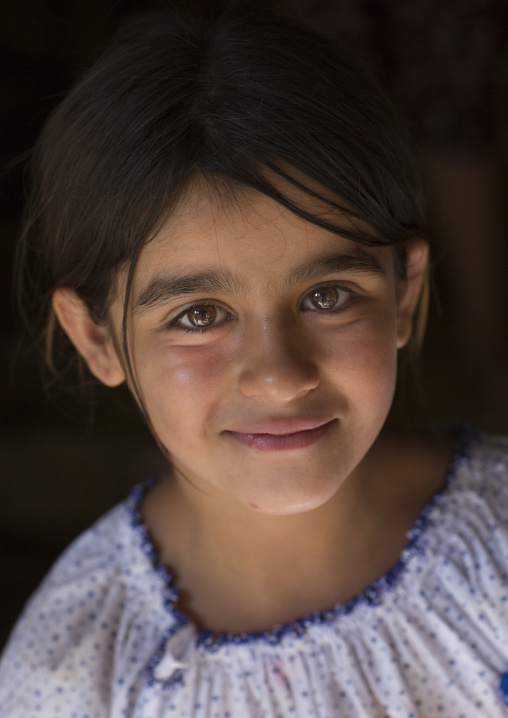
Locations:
(102, 635)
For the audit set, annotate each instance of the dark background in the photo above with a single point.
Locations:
(66, 459)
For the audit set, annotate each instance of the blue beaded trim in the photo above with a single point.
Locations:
(212, 642)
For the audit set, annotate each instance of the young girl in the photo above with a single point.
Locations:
(225, 216)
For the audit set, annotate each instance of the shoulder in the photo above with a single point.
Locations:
(472, 496)
(453, 497)
(457, 468)
(469, 520)
(476, 501)
(63, 644)
(479, 476)
(487, 456)
(87, 565)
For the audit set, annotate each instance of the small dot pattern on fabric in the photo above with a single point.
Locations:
(103, 637)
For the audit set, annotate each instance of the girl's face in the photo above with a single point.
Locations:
(264, 348)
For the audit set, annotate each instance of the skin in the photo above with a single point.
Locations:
(256, 537)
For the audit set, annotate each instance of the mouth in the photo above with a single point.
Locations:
(282, 436)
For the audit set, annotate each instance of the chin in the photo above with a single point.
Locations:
(286, 503)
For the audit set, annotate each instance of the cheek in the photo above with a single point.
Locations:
(181, 387)
(362, 359)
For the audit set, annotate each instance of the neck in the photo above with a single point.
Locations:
(203, 533)
(240, 570)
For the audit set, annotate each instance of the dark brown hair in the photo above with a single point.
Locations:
(231, 93)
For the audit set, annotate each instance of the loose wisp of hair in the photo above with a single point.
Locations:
(237, 93)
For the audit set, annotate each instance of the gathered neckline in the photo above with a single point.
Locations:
(371, 596)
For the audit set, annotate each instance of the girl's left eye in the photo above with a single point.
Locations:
(200, 317)
(327, 298)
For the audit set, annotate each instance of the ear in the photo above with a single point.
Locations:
(409, 289)
(93, 341)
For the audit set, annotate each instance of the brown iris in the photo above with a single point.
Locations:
(202, 315)
(324, 298)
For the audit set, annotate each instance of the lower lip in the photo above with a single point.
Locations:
(282, 442)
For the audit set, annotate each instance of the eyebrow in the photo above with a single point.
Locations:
(164, 289)
(357, 262)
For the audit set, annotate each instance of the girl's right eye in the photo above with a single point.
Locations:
(200, 318)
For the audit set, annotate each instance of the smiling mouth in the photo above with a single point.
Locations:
(282, 441)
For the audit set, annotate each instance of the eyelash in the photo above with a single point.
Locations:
(173, 324)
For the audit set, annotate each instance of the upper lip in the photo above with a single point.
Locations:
(281, 426)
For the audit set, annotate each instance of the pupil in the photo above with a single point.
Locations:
(325, 298)
(202, 316)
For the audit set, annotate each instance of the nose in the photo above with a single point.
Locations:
(277, 364)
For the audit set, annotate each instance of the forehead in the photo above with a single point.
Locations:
(244, 231)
